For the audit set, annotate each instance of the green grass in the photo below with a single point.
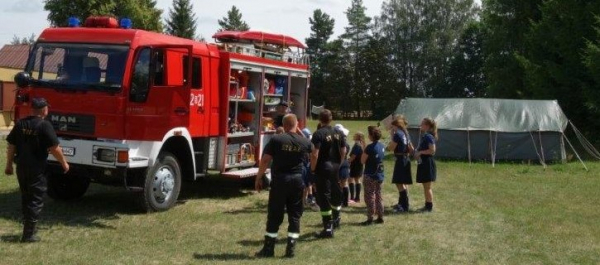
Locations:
(510, 214)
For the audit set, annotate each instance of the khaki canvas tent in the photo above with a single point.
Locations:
(491, 129)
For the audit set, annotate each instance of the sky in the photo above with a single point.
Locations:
(290, 17)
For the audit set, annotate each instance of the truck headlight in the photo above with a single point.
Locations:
(106, 155)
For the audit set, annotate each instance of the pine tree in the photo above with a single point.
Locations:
(321, 25)
(182, 21)
(233, 21)
(356, 37)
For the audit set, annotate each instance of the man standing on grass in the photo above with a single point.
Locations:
(326, 158)
(30, 140)
(288, 152)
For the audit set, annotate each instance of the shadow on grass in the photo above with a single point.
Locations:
(215, 187)
(103, 203)
(307, 237)
(223, 256)
(11, 238)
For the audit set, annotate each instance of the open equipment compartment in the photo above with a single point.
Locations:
(299, 97)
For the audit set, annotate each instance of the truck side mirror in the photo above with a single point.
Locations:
(22, 79)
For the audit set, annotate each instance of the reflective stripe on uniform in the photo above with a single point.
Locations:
(271, 235)
(293, 235)
(326, 213)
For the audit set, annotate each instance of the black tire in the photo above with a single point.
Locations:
(66, 187)
(157, 184)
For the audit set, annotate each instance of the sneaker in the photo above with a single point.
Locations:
(425, 210)
(398, 209)
(351, 201)
(367, 223)
(379, 221)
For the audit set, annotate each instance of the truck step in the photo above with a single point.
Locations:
(200, 175)
(243, 173)
(198, 153)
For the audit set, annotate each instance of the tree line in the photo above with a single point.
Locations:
(536, 49)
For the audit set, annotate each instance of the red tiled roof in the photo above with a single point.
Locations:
(14, 56)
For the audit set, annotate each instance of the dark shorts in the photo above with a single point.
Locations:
(402, 171)
(307, 177)
(426, 171)
(356, 170)
(345, 171)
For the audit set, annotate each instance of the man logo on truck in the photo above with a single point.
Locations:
(63, 119)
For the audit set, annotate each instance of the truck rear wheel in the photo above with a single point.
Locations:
(66, 187)
(162, 184)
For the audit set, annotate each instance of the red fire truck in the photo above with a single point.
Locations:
(148, 111)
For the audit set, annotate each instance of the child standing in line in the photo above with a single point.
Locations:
(426, 169)
(356, 167)
(373, 160)
(344, 173)
(402, 149)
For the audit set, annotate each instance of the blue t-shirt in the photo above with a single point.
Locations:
(401, 141)
(374, 164)
(426, 140)
(345, 162)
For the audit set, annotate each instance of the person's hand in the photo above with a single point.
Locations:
(65, 167)
(258, 184)
(9, 170)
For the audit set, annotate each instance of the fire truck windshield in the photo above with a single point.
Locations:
(78, 66)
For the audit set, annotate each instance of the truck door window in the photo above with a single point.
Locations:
(196, 73)
(140, 80)
(159, 68)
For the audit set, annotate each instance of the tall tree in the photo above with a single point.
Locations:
(555, 62)
(507, 23)
(25, 40)
(143, 13)
(321, 25)
(233, 21)
(465, 76)
(356, 38)
(182, 20)
(421, 37)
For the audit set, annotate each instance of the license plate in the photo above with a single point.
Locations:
(68, 151)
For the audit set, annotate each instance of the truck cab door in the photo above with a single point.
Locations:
(159, 92)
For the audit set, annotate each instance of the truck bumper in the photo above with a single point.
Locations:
(107, 154)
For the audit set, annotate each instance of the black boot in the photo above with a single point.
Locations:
(337, 219)
(405, 201)
(327, 228)
(268, 249)
(29, 233)
(290, 248)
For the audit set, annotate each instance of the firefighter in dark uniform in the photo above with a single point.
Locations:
(281, 111)
(328, 152)
(29, 142)
(288, 152)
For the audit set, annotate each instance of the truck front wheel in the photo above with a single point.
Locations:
(162, 184)
(66, 187)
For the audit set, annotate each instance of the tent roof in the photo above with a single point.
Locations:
(502, 115)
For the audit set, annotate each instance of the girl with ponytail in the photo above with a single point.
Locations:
(402, 148)
(426, 169)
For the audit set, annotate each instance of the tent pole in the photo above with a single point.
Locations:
(577, 154)
(495, 147)
(469, 144)
(491, 149)
(541, 146)
(536, 150)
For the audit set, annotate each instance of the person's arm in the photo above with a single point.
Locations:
(351, 159)
(10, 154)
(265, 161)
(56, 151)
(314, 156)
(364, 158)
(430, 151)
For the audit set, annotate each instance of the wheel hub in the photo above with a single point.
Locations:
(164, 183)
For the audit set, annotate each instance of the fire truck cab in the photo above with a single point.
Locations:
(147, 111)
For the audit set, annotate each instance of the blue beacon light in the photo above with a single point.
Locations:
(73, 22)
(126, 23)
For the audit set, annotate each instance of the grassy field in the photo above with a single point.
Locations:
(510, 214)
